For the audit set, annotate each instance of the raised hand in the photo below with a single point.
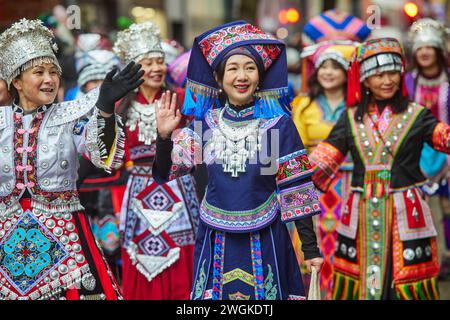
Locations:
(117, 85)
(167, 116)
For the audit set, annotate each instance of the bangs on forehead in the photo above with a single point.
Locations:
(237, 59)
(40, 62)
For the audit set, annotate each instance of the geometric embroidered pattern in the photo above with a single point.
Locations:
(153, 246)
(28, 253)
(238, 274)
(158, 199)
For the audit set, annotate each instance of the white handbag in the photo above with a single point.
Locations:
(314, 287)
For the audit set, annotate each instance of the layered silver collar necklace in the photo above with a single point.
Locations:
(235, 143)
(143, 116)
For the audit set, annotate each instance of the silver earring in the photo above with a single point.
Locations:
(220, 90)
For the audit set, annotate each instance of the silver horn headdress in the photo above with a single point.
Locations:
(139, 41)
(26, 44)
(428, 32)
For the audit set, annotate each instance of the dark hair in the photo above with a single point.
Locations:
(399, 103)
(442, 63)
(315, 88)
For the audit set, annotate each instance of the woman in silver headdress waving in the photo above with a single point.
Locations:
(47, 250)
(157, 222)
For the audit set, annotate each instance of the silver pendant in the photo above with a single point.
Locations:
(234, 144)
(143, 116)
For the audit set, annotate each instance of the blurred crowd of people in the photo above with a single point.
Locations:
(353, 188)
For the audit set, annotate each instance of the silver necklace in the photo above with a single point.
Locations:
(234, 145)
(143, 116)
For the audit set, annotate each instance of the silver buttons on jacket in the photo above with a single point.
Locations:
(6, 168)
(64, 164)
(408, 254)
(44, 165)
(44, 148)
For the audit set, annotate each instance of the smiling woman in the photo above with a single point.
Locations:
(386, 236)
(314, 115)
(47, 250)
(259, 173)
(157, 222)
(37, 86)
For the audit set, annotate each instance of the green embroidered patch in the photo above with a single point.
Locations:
(270, 289)
(200, 282)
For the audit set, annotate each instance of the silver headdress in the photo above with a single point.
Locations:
(428, 32)
(24, 45)
(92, 62)
(97, 63)
(139, 41)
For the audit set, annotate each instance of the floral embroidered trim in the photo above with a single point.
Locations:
(327, 160)
(240, 221)
(258, 276)
(298, 202)
(219, 256)
(214, 44)
(441, 137)
(293, 167)
(186, 153)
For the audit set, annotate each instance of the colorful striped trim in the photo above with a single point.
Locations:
(219, 250)
(345, 287)
(420, 290)
(327, 160)
(240, 221)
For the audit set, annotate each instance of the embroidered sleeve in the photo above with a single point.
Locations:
(186, 153)
(441, 137)
(330, 153)
(327, 160)
(297, 194)
(94, 146)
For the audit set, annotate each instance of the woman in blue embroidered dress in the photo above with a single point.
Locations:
(259, 173)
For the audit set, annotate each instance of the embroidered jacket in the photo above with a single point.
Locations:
(404, 136)
(277, 180)
(39, 153)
